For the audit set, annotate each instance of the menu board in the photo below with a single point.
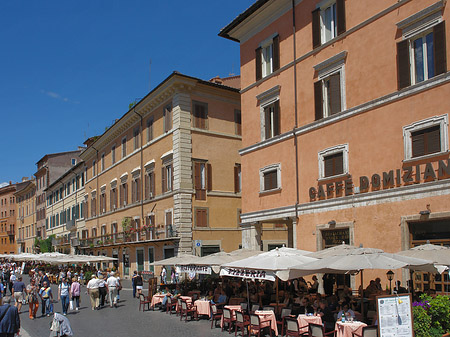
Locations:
(395, 316)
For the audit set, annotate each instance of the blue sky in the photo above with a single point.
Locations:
(69, 68)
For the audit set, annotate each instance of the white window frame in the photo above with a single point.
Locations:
(136, 133)
(267, 169)
(331, 151)
(412, 59)
(93, 170)
(265, 99)
(324, 5)
(73, 161)
(113, 154)
(124, 147)
(267, 58)
(442, 121)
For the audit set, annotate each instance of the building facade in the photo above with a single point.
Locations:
(49, 168)
(65, 209)
(165, 178)
(26, 216)
(345, 123)
(7, 219)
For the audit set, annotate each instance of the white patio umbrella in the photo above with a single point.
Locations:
(180, 259)
(342, 249)
(440, 255)
(217, 259)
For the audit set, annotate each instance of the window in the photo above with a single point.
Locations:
(74, 161)
(169, 227)
(102, 203)
(272, 120)
(149, 129)
(102, 163)
(270, 178)
(93, 207)
(200, 114)
(167, 177)
(426, 137)
(237, 178)
(333, 161)
(136, 190)
(113, 198)
(136, 138)
(167, 118)
(113, 155)
(202, 179)
(421, 54)
(328, 21)
(124, 147)
(93, 175)
(150, 185)
(267, 57)
(123, 194)
(201, 217)
(237, 122)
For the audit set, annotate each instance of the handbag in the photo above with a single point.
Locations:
(71, 305)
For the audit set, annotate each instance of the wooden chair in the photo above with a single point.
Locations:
(244, 306)
(178, 307)
(269, 308)
(317, 330)
(216, 314)
(171, 305)
(241, 322)
(188, 310)
(285, 312)
(254, 308)
(292, 327)
(256, 325)
(144, 301)
(227, 318)
(367, 331)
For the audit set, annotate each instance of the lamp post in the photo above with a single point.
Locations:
(390, 276)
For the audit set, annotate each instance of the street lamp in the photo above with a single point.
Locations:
(390, 276)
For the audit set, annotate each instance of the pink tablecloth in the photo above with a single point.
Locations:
(157, 298)
(203, 307)
(232, 308)
(304, 320)
(265, 315)
(188, 300)
(346, 329)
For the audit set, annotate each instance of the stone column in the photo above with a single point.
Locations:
(251, 236)
(182, 170)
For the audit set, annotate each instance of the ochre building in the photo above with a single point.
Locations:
(7, 219)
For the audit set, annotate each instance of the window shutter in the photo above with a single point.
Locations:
(403, 66)
(152, 184)
(340, 13)
(258, 63)
(276, 53)
(328, 165)
(195, 115)
(111, 200)
(171, 177)
(236, 179)
(147, 186)
(335, 93)
(163, 179)
(418, 144)
(267, 124)
(138, 189)
(209, 178)
(122, 192)
(440, 55)
(434, 140)
(276, 118)
(318, 101)
(126, 193)
(316, 28)
(197, 180)
(339, 163)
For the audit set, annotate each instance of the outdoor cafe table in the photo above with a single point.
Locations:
(346, 329)
(203, 307)
(188, 300)
(232, 308)
(157, 298)
(266, 315)
(304, 320)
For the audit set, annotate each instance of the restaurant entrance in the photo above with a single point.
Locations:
(436, 232)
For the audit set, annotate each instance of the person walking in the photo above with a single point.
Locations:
(139, 282)
(33, 301)
(133, 283)
(12, 279)
(113, 286)
(42, 278)
(75, 290)
(102, 291)
(46, 297)
(18, 290)
(64, 295)
(93, 291)
(10, 319)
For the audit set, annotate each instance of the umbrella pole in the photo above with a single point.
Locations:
(248, 296)
(362, 295)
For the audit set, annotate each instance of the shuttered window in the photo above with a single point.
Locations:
(136, 190)
(200, 113)
(272, 120)
(334, 164)
(166, 178)
(149, 129)
(267, 58)
(150, 185)
(202, 179)
(167, 118)
(237, 178)
(169, 227)
(201, 217)
(237, 122)
(328, 96)
(123, 194)
(270, 180)
(426, 141)
(328, 22)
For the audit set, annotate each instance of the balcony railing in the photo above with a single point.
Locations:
(71, 224)
(19, 240)
(11, 233)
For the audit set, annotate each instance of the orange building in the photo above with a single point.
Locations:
(165, 177)
(345, 125)
(26, 216)
(7, 219)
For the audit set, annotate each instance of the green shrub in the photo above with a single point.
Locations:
(431, 316)
(422, 322)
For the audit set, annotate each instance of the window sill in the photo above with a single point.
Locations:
(268, 192)
(338, 176)
(428, 156)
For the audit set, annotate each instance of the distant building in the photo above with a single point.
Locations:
(165, 178)
(26, 216)
(49, 168)
(7, 219)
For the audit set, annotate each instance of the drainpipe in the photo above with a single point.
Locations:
(294, 229)
(142, 167)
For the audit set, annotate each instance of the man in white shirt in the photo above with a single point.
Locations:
(93, 291)
(113, 286)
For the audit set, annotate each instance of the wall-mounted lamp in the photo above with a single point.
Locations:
(332, 223)
(425, 212)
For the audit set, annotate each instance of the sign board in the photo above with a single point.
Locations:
(395, 316)
(248, 273)
(192, 269)
(198, 243)
(146, 275)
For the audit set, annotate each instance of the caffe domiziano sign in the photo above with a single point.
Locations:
(394, 178)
